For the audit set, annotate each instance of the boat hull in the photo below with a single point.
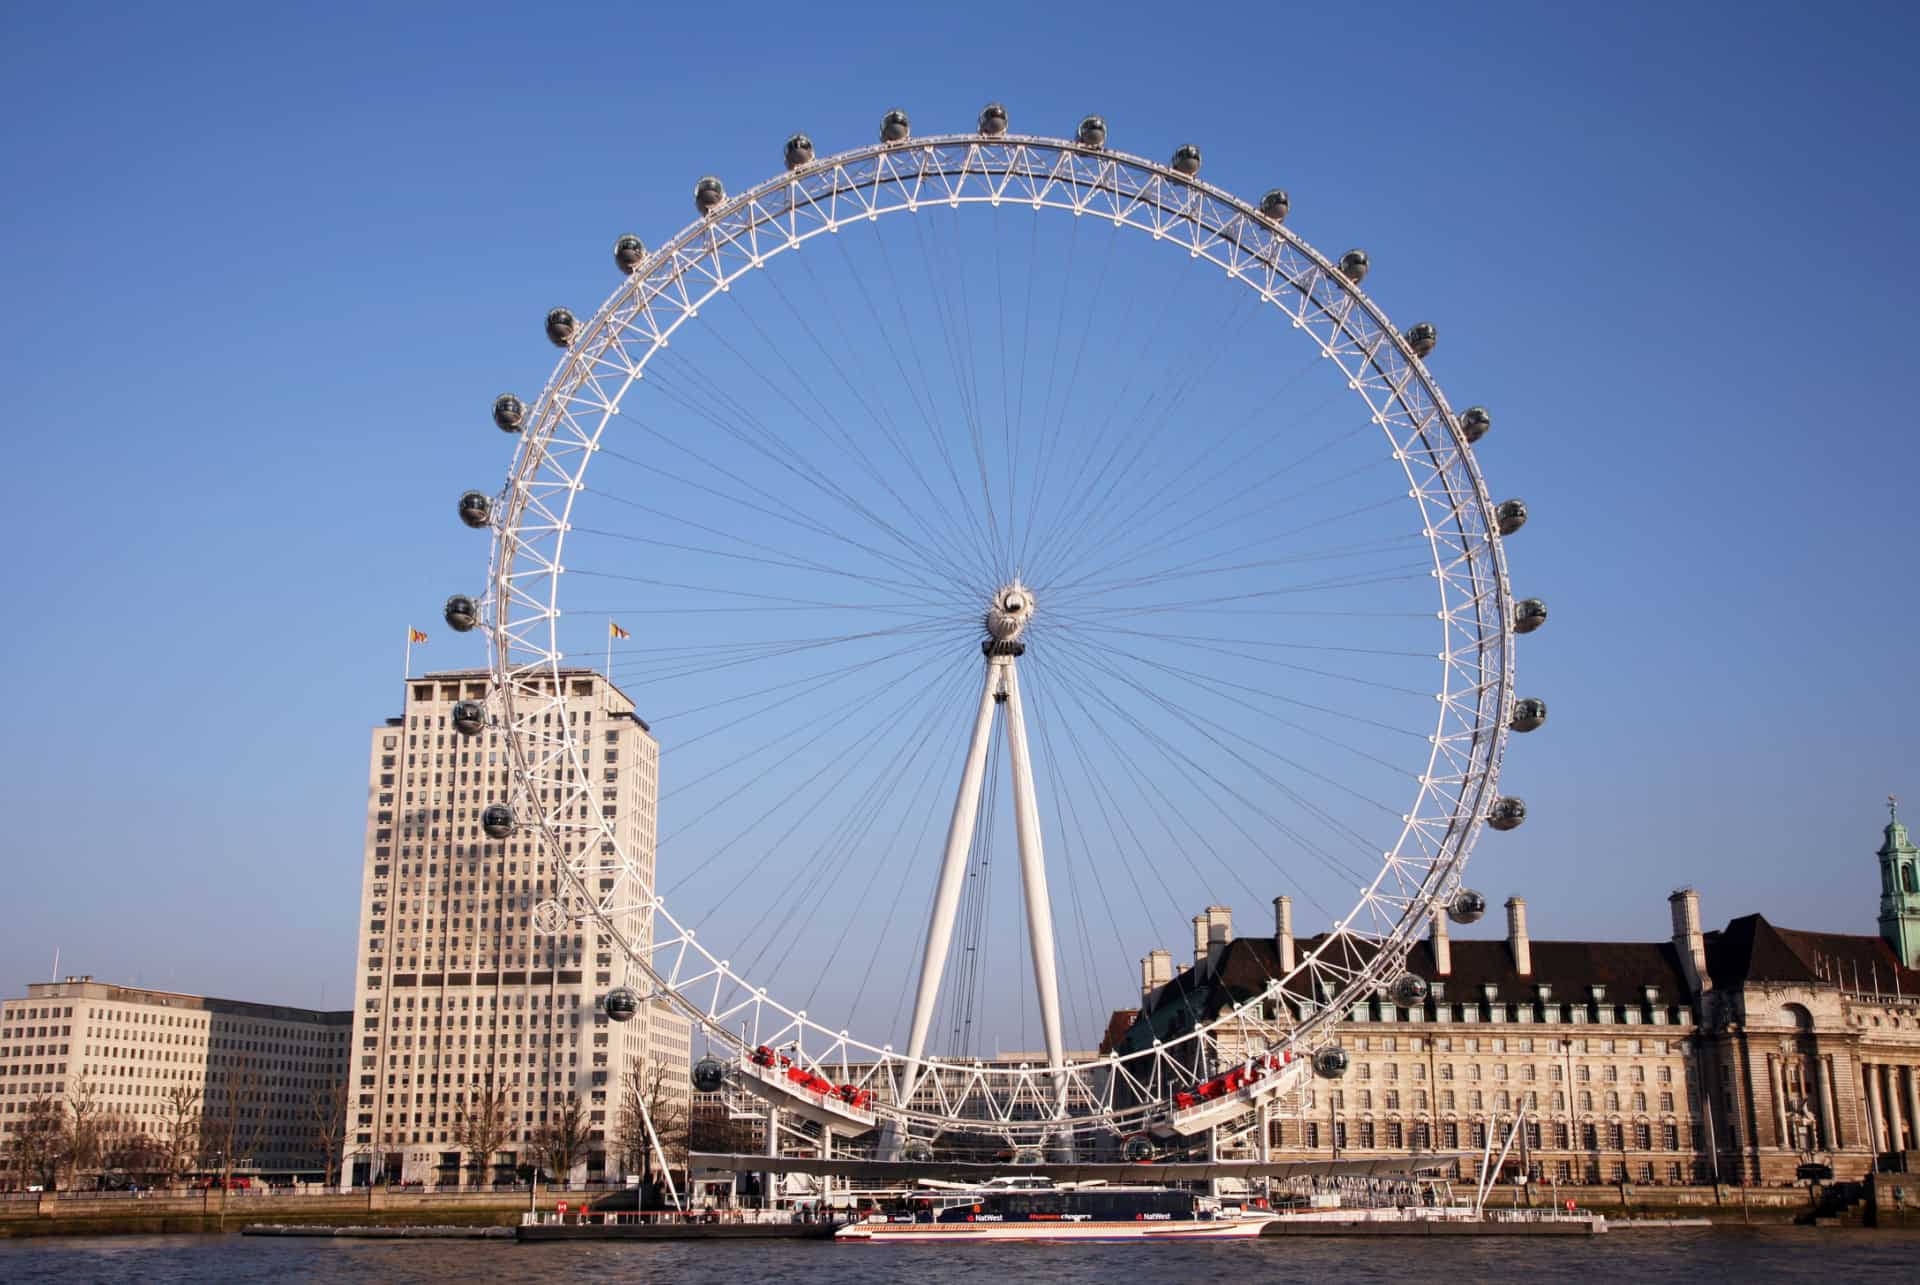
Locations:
(1214, 1229)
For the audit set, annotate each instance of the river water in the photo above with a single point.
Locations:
(1742, 1254)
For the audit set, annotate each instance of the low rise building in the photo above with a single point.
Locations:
(1734, 1055)
(131, 1063)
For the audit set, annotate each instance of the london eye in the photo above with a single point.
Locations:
(1015, 545)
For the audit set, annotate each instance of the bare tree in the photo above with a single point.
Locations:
(481, 1127)
(562, 1138)
(327, 1125)
(233, 1120)
(134, 1153)
(87, 1124)
(42, 1142)
(179, 1129)
(651, 1089)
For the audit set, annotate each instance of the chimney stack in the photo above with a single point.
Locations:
(1517, 937)
(1156, 970)
(1688, 940)
(1442, 947)
(1200, 939)
(1219, 932)
(1283, 932)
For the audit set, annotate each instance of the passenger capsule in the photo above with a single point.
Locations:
(469, 718)
(561, 327)
(1186, 160)
(1528, 615)
(629, 252)
(621, 1003)
(1139, 1150)
(799, 151)
(497, 820)
(1507, 814)
(895, 127)
(708, 194)
(1528, 713)
(1410, 990)
(993, 120)
(1422, 338)
(1274, 205)
(1474, 423)
(509, 413)
(1510, 516)
(1331, 1063)
(709, 1074)
(476, 509)
(1466, 907)
(461, 613)
(1092, 132)
(1029, 1156)
(916, 1152)
(1353, 266)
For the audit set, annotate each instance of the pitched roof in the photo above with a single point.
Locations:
(1751, 949)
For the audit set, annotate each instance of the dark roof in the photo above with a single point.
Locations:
(1750, 949)
(1625, 968)
(1569, 967)
(1117, 1027)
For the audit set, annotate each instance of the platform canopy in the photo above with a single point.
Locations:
(900, 1172)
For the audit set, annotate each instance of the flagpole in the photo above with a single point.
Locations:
(608, 672)
(406, 675)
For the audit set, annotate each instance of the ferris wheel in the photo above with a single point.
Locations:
(1015, 545)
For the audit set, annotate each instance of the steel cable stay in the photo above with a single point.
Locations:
(1088, 582)
(774, 555)
(826, 867)
(1202, 603)
(966, 392)
(855, 388)
(1067, 847)
(945, 543)
(1185, 761)
(763, 441)
(925, 802)
(750, 432)
(1126, 764)
(1206, 728)
(821, 731)
(936, 422)
(1087, 496)
(1217, 513)
(773, 509)
(1187, 827)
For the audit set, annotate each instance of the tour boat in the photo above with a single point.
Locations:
(1019, 1209)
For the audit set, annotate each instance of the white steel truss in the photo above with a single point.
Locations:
(554, 795)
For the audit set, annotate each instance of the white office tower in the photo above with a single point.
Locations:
(461, 1009)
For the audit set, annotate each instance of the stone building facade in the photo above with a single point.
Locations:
(143, 1063)
(457, 995)
(1734, 1055)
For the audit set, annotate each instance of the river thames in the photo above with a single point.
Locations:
(1744, 1254)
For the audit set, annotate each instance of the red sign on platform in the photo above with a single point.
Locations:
(561, 1207)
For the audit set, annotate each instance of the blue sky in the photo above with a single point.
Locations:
(266, 270)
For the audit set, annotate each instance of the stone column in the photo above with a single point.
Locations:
(1870, 1075)
(1823, 1074)
(1896, 1136)
(1777, 1085)
(1913, 1102)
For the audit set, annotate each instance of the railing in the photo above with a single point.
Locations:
(666, 1217)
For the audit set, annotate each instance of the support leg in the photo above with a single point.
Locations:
(1033, 872)
(946, 897)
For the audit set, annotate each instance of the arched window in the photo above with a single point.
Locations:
(1906, 879)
